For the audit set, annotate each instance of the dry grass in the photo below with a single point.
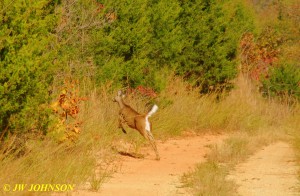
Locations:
(253, 121)
(256, 122)
(48, 163)
(209, 178)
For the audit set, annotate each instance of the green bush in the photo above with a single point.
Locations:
(195, 39)
(26, 60)
(283, 81)
(212, 31)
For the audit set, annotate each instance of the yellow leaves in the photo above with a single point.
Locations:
(67, 108)
(76, 129)
(55, 106)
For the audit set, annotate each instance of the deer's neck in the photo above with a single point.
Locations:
(121, 104)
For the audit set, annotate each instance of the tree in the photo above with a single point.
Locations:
(212, 32)
(26, 61)
(196, 39)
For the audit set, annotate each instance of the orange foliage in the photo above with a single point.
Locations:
(257, 56)
(66, 106)
(141, 90)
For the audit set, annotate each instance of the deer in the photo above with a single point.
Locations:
(140, 122)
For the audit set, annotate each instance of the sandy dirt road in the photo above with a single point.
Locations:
(150, 177)
(271, 171)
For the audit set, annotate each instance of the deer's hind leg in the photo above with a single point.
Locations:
(141, 127)
(153, 143)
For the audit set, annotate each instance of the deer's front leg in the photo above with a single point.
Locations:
(121, 123)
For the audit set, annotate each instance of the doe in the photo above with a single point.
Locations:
(137, 121)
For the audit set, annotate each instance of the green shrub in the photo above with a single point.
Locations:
(26, 60)
(196, 39)
(212, 30)
(283, 81)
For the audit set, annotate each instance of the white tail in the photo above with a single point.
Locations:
(152, 111)
(137, 121)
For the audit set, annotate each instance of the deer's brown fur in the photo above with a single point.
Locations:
(135, 120)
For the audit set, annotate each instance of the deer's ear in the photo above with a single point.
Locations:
(119, 93)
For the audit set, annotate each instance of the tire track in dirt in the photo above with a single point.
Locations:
(270, 171)
(150, 177)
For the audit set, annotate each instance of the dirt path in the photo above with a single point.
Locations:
(271, 171)
(150, 177)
